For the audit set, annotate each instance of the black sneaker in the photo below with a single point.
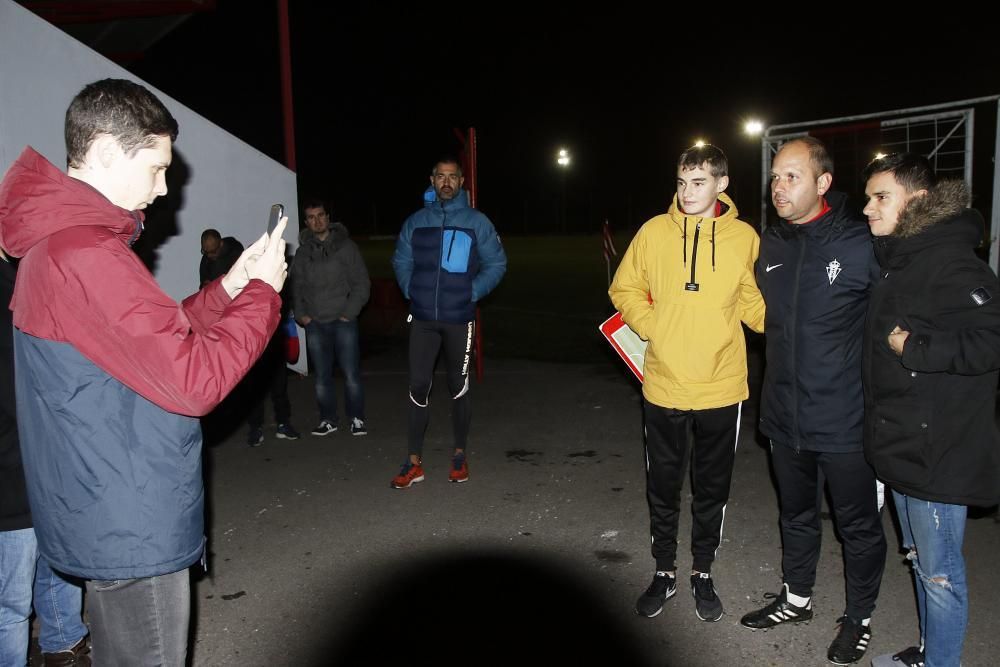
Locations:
(851, 642)
(255, 437)
(707, 604)
(910, 657)
(651, 602)
(779, 611)
(325, 427)
(358, 427)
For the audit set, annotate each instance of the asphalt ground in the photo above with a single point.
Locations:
(538, 559)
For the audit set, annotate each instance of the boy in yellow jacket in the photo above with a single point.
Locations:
(685, 285)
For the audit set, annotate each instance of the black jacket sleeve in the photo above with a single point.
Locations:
(964, 338)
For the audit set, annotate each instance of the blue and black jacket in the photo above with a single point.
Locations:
(448, 257)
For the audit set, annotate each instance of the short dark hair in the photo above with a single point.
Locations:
(127, 111)
(821, 161)
(211, 234)
(315, 202)
(708, 154)
(910, 170)
(447, 159)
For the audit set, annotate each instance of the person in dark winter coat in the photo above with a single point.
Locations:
(26, 580)
(268, 376)
(931, 360)
(330, 286)
(816, 270)
(217, 255)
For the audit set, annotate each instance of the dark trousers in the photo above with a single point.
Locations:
(851, 481)
(427, 339)
(669, 434)
(269, 376)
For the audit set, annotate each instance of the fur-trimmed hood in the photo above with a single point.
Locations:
(939, 218)
(942, 202)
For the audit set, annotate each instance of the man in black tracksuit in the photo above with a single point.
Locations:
(816, 270)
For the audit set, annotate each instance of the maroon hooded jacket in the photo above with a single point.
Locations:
(111, 374)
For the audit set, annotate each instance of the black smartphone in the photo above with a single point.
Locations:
(277, 212)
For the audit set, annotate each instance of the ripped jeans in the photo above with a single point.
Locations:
(933, 533)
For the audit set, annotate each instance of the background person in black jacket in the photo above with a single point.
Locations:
(26, 580)
(217, 255)
(931, 360)
(268, 376)
(816, 270)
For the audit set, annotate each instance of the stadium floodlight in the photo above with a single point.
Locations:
(753, 127)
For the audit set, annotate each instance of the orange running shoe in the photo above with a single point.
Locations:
(409, 474)
(459, 469)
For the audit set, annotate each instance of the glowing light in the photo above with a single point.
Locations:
(563, 158)
(700, 143)
(753, 127)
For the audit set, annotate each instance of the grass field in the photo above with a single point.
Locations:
(549, 303)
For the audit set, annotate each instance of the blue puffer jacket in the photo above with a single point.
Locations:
(448, 257)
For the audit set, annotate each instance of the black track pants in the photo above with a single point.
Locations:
(669, 434)
(855, 509)
(427, 338)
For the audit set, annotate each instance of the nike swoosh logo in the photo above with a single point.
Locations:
(770, 268)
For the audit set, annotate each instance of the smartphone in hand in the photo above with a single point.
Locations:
(277, 212)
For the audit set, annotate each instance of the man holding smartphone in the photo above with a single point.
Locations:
(112, 374)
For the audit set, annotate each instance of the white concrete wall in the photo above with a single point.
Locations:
(229, 185)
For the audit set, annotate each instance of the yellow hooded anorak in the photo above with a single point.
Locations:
(684, 285)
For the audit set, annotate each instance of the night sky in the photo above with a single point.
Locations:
(378, 88)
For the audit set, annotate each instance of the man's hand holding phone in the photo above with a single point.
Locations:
(264, 260)
(270, 265)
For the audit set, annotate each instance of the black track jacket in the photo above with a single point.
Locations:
(816, 279)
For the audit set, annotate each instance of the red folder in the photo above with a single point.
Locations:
(626, 343)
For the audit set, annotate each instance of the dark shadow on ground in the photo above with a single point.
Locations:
(485, 608)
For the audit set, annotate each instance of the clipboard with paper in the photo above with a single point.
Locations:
(625, 342)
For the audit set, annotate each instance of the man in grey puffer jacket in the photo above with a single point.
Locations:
(330, 285)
